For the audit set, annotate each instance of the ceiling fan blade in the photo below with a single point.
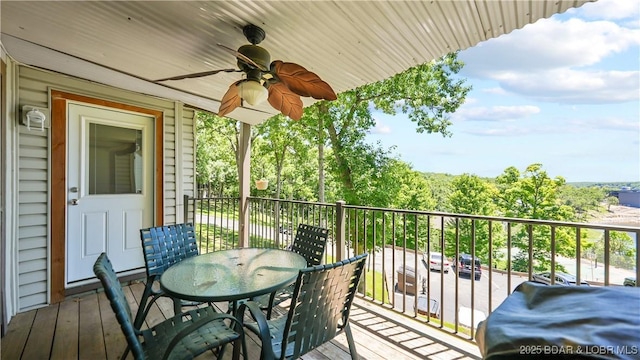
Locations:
(231, 99)
(200, 74)
(285, 101)
(302, 81)
(242, 57)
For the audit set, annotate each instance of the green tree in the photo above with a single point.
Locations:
(427, 93)
(622, 250)
(612, 200)
(582, 200)
(281, 137)
(534, 195)
(440, 188)
(474, 196)
(216, 144)
(408, 189)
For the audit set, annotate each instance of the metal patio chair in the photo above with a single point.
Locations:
(319, 311)
(310, 242)
(163, 246)
(181, 337)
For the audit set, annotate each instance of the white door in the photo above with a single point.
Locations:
(109, 188)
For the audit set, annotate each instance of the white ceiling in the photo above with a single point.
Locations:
(347, 43)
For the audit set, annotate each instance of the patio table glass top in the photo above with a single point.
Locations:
(230, 275)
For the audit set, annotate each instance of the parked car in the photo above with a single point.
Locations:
(560, 279)
(436, 261)
(468, 265)
(629, 281)
(410, 275)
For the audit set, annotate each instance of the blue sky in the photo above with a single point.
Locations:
(563, 92)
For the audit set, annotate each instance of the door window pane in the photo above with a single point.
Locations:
(115, 160)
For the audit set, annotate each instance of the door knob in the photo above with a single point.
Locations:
(74, 202)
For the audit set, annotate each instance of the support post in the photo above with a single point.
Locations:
(244, 175)
(340, 231)
(185, 209)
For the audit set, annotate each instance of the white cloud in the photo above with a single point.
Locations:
(607, 124)
(548, 44)
(557, 61)
(502, 132)
(380, 128)
(495, 113)
(470, 100)
(495, 91)
(611, 9)
(576, 87)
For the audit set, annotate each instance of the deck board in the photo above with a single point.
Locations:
(65, 342)
(86, 328)
(40, 340)
(114, 340)
(17, 335)
(91, 337)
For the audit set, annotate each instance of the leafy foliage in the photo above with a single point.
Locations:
(216, 144)
(427, 93)
(533, 195)
(472, 195)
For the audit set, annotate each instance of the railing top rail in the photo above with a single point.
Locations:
(505, 219)
(316, 203)
(610, 227)
(215, 197)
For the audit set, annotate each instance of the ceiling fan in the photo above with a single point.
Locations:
(281, 83)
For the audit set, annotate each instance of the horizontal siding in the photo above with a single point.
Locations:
(31, 220)
(34, 139)
(28, 232)
(32, 209)
(29, 197)
(29, 255)
(33, 277)
(34, 242)
(188, 153)
(32, 186)
(169, 166)
(33, 171)
(33, 174)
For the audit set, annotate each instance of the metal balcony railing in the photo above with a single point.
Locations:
(399, 275)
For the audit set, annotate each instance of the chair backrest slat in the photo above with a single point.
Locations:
(166, 245)
(310, 242)
(321, 303)
(112, 288)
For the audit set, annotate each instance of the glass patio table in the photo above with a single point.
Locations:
(231, 275)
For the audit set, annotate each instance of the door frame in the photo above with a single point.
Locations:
(59, 101)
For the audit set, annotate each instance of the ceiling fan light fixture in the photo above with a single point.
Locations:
(253, 92)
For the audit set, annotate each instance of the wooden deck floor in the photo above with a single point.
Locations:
(85, 328)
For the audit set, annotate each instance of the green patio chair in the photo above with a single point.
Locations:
(162, 247)
(319, 311)
(184, 336)
(310, 242)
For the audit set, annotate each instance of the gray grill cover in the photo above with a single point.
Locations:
(572, 322)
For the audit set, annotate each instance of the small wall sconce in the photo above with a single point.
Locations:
(34, 118)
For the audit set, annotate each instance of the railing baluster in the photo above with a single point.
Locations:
(472, 274)
(578, 256)
(607, 248)
(456, 309)
(553, 250)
